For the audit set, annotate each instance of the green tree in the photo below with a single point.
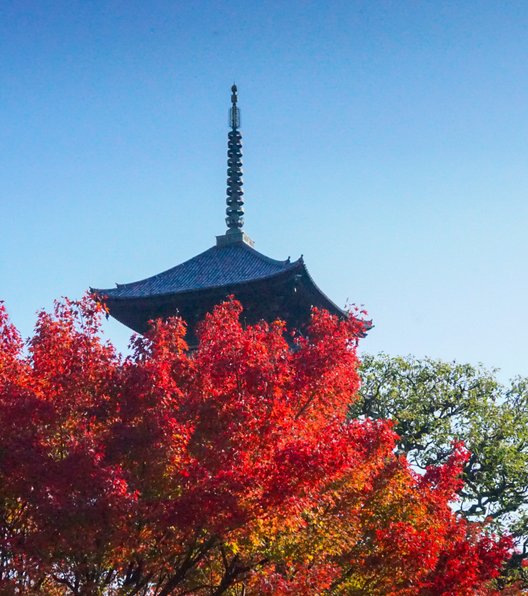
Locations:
(433, 403)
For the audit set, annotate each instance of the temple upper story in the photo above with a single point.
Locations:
(268, 289)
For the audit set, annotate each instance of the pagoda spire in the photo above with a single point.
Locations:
(235, 194)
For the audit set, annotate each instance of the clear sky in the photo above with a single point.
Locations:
(386, 141)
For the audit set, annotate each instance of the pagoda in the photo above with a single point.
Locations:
(267, 288)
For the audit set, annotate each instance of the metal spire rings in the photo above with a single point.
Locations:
(235, 194)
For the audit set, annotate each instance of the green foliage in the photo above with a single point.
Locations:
(433, 403)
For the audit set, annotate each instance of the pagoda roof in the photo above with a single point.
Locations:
(220, 266)
(267, 288)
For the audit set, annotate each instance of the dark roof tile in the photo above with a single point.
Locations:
(217, 267)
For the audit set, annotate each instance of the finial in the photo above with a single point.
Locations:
(235, 194)
(234, 112)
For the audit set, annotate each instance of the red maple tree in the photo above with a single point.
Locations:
(232, 469)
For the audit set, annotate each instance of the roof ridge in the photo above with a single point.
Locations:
(261, 255)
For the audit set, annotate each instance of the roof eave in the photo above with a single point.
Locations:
(109, 293)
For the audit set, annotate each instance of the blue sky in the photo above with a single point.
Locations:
(385, 141)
